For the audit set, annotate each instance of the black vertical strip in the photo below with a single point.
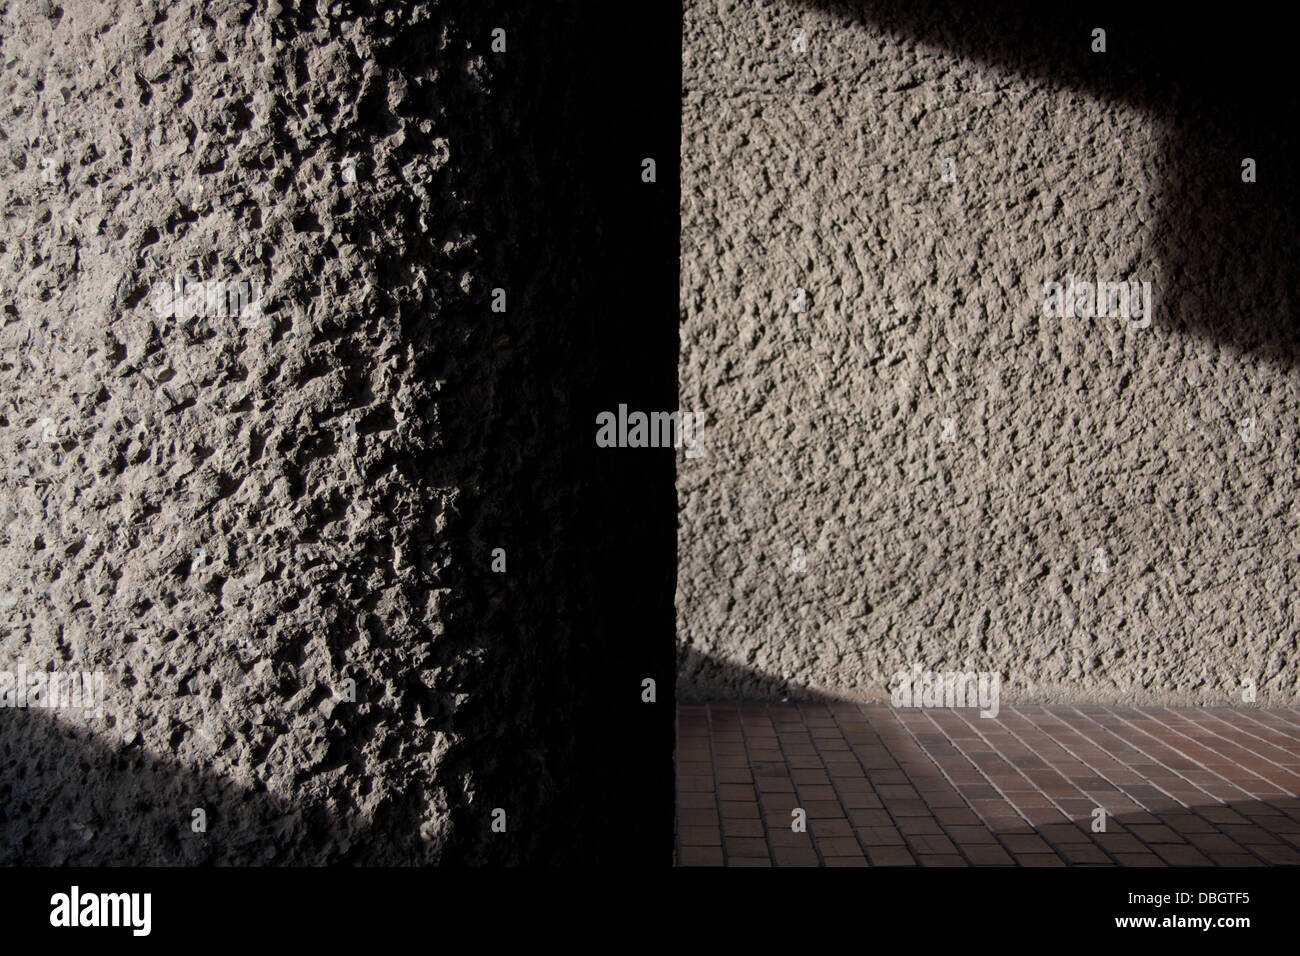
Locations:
(554, 728)
(629, 301)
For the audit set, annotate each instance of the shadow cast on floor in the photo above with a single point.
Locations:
(813, 784)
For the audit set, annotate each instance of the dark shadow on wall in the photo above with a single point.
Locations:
(565, 640)
(1221, 86)
(1220, 81)
(540, 669)
(703, 677)
(73, 796)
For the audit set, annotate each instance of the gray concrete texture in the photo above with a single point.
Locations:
(263, 533)
(1098, 521)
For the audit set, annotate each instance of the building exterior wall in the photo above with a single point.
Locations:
(909, 462)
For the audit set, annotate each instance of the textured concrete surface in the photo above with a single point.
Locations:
(919, 467)
(273, 537)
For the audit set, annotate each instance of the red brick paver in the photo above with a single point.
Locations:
(874, 785)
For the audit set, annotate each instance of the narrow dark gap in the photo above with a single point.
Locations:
(585, 251)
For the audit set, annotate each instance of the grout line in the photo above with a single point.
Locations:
(1218, 751)
(1079, 790)
(677, 789)
(717, 784)
(821, 859)
(942, 826)
(1007, 799)
(1001, 793)
(838, 795)
(1152, 783)
(749, 760)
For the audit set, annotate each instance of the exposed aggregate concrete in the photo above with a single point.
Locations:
(265, 531)
(1096, 521)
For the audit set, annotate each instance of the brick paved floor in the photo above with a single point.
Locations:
(891, 786)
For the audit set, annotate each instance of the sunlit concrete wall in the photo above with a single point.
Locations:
(909, 461)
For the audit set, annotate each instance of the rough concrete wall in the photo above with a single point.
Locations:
(977, 550)
(232, 519)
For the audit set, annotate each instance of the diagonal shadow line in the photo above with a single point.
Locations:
(703, 677)
(531, 678)
(1220, 91)
(1220, 86)
(909, 810)
(72, 798)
